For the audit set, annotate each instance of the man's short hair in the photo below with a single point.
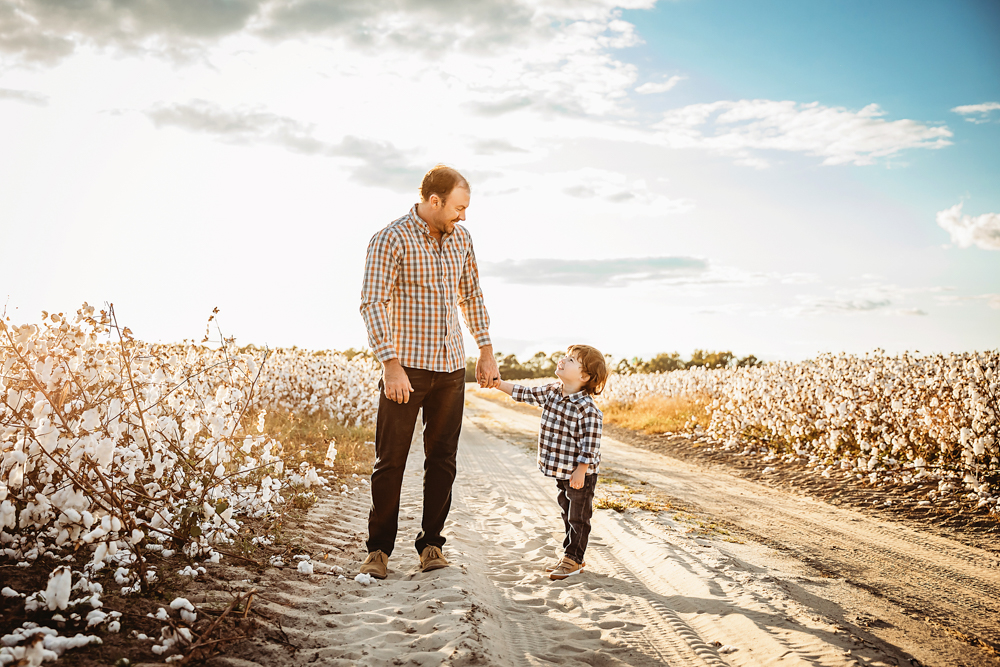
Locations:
(440, 181)
(593, 364)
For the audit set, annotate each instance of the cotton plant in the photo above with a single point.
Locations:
(120, 448)
(876, 416)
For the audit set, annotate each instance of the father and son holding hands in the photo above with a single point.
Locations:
(419, 271)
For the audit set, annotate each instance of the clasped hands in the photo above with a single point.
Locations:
(487, 372)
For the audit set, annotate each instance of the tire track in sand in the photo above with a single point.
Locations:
(644, 599)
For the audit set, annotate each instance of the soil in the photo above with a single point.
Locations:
(959, 520)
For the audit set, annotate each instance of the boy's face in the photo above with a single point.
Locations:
(570, 371)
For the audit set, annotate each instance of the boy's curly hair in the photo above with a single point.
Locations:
(593, 364)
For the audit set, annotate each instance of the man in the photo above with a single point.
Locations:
(419, 271)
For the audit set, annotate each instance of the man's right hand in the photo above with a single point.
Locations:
(397, 384)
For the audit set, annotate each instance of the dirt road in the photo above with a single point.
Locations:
(817, 585)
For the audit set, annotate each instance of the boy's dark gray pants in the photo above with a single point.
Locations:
(442, 397)
(577, 508)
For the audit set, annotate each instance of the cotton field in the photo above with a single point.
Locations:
(891, 419)
(117, 447)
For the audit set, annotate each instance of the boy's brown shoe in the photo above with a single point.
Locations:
(552, 567)
(376, 565)
(431, 558)
(567, 568)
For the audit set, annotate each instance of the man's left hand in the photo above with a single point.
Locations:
(578, 477)
(487, 372)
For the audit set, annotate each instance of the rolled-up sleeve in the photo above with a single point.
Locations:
(381, 270)
(471, 301)
(590, 441)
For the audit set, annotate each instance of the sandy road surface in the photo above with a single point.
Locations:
(654, 592)
(919, 591)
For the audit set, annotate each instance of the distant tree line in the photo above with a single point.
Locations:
(543, 365)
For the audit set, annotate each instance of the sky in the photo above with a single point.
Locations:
(775, 178)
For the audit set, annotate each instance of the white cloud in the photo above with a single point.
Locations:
(991, 300)
(836, 134)
(597, 272)
(25, 96)
(966, 230)
(873, 297)
(628, 271)
(377, 164)
(980, 112)
(651, 87)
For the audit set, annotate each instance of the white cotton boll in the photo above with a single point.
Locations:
(181, 603)
(331, 454)
(305, 567)
(100, 553)
(114, 626)
(188, 616)
(116, 524)
(161, 614)
(979, 446)
(73, 515)
(9, 592)
(167, 553)
(15, 477)
(96, 617)
(265, 489)
(91, 420)
(137, 536)
(8, 515)
(365, 579)
(58, 589)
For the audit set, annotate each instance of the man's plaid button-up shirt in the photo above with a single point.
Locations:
(570, 431)
(412, 291)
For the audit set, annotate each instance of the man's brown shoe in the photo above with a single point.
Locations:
(567, 568)
(431, 558)
(376, 565)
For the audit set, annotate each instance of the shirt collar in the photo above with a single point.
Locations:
(578, 396)
(422, 225)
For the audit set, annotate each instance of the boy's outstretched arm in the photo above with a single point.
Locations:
(506, 387)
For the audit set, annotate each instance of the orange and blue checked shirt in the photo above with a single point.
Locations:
(570, 430)
(412, 291)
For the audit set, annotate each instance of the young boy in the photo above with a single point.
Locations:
(569, 444)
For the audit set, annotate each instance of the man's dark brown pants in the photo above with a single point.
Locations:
(442, 397)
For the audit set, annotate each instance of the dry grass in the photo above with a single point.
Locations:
(306, 438)
(659, 414)
(620, 502)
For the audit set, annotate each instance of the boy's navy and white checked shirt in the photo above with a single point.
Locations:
(412, 291)
(570, 431)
